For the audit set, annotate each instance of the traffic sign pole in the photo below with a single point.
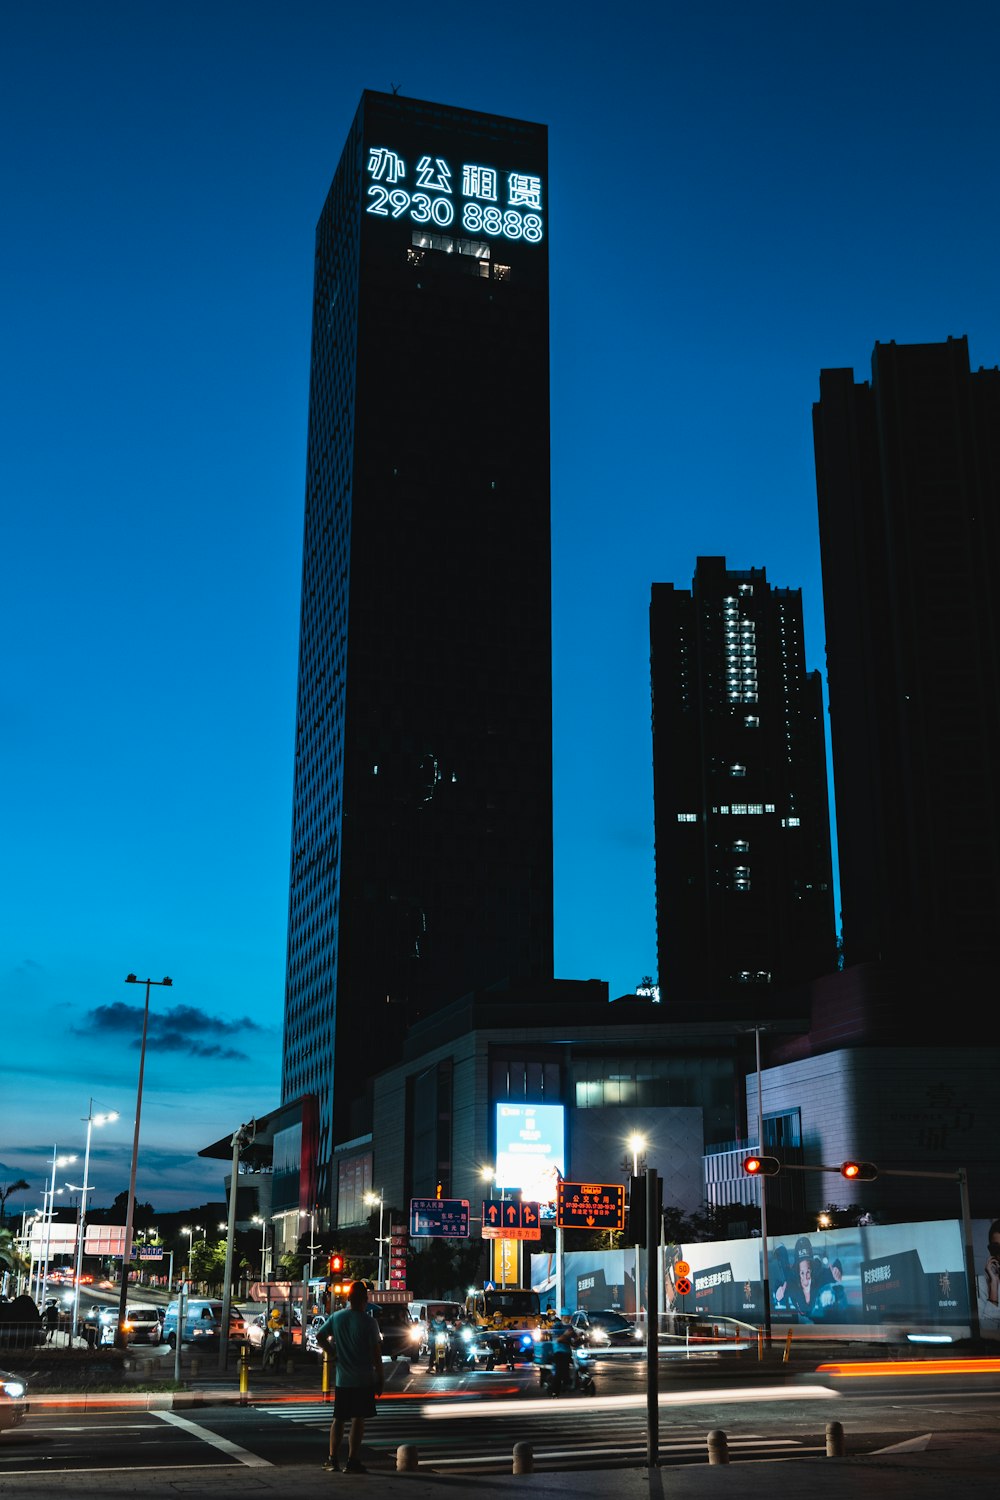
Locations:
(652, 1324)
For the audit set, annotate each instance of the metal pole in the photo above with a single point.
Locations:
(181, 1318)
(48, 1230)
(652, 1327)
(381, 1241)
(83, 1218)
(560, 1271)
(637, 1271)
(227, 1289)
(970, 1261)
(764, 1276)
(120, 1339)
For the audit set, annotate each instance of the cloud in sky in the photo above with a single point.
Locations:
(182, 1028)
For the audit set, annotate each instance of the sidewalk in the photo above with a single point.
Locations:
(968, 1463)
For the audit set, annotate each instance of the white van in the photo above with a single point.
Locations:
(202, 1322)
(142, 1325)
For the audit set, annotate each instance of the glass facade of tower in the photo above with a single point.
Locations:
(421, 861)
(744, 899)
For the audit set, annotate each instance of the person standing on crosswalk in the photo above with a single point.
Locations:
(353, 1339)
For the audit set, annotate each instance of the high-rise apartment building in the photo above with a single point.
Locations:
(744, 902)
(908, 479)
(421, 864)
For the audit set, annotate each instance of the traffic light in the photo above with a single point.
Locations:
(859, 1171)
(761, 1166)
(637, 1231)
(336, 1263)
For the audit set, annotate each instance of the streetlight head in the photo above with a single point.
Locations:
(636, 1141)
(186, 1229)
(487, 1174)
(167, 980)
(131, 979)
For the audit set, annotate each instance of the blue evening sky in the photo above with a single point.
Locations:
(739, 195)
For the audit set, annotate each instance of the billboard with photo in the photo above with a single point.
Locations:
(894, 1280)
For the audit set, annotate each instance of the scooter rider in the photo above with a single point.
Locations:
(437, 1325)
(562, 1355)
(271, 1349)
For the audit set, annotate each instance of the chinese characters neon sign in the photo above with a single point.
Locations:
(484, 200)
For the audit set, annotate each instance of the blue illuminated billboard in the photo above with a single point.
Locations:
(531, 1149)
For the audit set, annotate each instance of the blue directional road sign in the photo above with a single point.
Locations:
(440, 1218)
(505, 1219)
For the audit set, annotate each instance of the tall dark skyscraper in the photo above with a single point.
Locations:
(421, 863)
(744, 903)
(908, 479)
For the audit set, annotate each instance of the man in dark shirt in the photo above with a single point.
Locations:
(357, 1349)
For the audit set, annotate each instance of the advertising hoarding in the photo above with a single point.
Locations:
(531, 1149)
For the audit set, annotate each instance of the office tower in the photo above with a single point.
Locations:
(744, 904)
(421, 864)
(908, 479)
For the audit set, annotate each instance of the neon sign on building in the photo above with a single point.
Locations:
(485, 200)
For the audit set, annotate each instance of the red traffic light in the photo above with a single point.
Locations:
(336, 1263)
(859, 1171)
(761, 1166)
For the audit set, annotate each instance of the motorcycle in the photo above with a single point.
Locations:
(440, 1351)
(272, 1352)
(576, 1377)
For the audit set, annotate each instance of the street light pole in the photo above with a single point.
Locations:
(259, 1219)
(372, 1198)
(242, 1137)
(57, 1161)
(120, 1339)
(92, 1120)
(636, 1144)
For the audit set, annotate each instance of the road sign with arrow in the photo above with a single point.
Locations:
(506, 1219)
(590, 1205)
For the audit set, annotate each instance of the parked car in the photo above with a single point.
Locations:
(603, 1328)
(14, 1406)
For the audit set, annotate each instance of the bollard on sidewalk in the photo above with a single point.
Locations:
(718, 1447)
(325, 1386)
(407, 1458)
(834, 1440)
(244, 1367)
(524, 1458)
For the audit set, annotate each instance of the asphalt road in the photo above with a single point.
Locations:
(469, 1424)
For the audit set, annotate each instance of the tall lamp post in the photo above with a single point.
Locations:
(637, 1144)
(190, 1230)
(259, 1219)
(57, 1161)
(120, 1339)
(372, 1198)
(92, 1120)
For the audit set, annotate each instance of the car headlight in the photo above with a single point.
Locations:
(415, 1334)
(13, 1388)
(467, 1335)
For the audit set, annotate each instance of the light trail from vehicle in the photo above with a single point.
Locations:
(533, 1407)
(878, 1368)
